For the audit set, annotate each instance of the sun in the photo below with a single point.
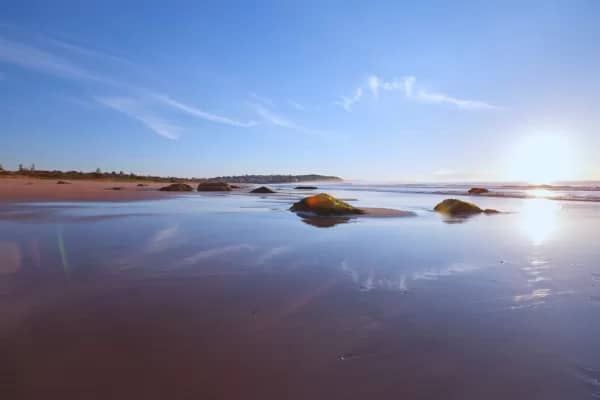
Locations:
(542, 159)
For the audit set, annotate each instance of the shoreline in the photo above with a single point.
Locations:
(32, 190)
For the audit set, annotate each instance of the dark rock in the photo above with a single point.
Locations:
(306, 188)
(63, 183)
(214, 187)
(455, 207)
(114, 188)
(478, 190)
(235, 186)
(141, 185)
(177, 187)
(324, 204)
(262, 189)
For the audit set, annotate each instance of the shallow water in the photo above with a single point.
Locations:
(233, 296)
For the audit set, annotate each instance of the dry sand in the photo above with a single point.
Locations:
(33, 189)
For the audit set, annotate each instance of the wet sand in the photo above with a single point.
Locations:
(266, 337)
(218, 297)
(32, 189)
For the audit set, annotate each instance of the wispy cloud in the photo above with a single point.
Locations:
(408, 86)
(132, 108)
(29, 57)
(202, 114)
(442, 98)
(347, 102)
(44, 61)
(272, 117)
(83, 51)
(262, 99)
(296, 105)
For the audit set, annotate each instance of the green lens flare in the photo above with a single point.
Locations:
(62, 250)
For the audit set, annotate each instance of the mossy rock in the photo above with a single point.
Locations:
(478, 190)
(455, 207)
(262, 189)
(214, 187)
(324, 204)
(177, 187)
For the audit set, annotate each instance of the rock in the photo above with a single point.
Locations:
(63, 183)
(114, 188)
(141, 185)
(455, 207)
(214, 187)
(478, 190)
(262, 189)
(235, 186)
(324, 204)
(177, 187)
(306, 188)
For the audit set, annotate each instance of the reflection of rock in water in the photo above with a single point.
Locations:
(458, 219)
(323, 221)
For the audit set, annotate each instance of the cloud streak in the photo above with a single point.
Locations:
(347, 102)
(133, 109)
(273, 118)
(196, 112)
(36, 59)
(408, 87)
(32, 58)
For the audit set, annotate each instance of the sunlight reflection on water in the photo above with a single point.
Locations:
(539, 220)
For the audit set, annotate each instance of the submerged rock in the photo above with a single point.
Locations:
(306, 188)
(478, 190)
(324, 204)
(455, 207)
(214, 187)
(262, 189)
(177, 187)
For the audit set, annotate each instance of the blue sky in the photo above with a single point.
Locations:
(393, 91)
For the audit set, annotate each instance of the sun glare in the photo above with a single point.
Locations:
(542, 159)
(539, 219)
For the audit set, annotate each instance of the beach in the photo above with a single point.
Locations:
(230, 295)
(23, 189)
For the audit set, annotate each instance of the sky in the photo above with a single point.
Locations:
(378, 91)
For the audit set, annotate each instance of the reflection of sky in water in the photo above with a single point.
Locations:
(227, 234)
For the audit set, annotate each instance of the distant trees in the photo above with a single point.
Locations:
(21, 168)
(98, 171)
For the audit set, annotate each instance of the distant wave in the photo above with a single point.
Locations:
(580, 191)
